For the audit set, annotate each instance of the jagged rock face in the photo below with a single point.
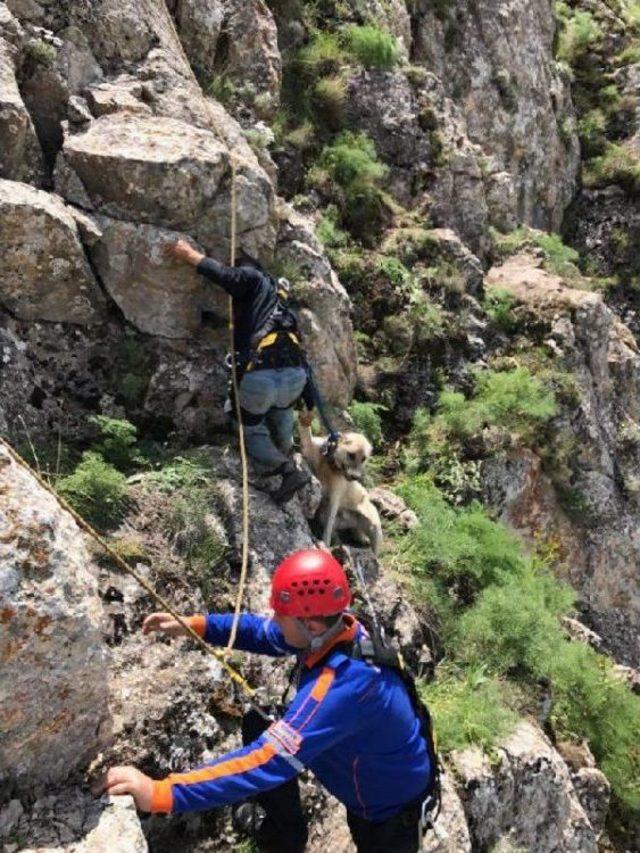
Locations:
(238, 40)
(44, 274)
(497, 64)
(165, 172)
(50, 613)
(603, 544)
(525, 799)
(159, 296)
(76, 822)
(325, 315)
(20, 155)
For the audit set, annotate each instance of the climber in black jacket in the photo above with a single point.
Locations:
(272, 371)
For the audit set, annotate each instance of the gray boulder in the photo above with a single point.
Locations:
(524, 798)
(20, 154)
(168, 173)
(44, 273)
(53, 657)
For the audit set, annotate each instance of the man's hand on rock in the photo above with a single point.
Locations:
(127, 780)
(182, 251)
(165, 623)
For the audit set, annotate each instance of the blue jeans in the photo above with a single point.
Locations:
(271, 394)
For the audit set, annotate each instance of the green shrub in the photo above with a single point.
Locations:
(560, 259)
(457, 547)
(96, 490)
(394, 270)
(328, 100)
(468, 711)
(514, 626)
(499, 304)
(513, 400)
(118, 444)
(322, 57)
(579, 35)
(589, 702)
(366, 419)
(40, 52)
(190, 471)
(591, 130)
(371, 46)
(619, 164)
(328, 231)
(351, 161)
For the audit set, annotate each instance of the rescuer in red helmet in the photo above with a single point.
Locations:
(356, 722)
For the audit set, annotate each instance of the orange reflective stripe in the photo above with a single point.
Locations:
(162, 799)
(322, 685)
(198, 623)
(230, 767)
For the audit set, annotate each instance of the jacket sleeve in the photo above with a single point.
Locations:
(308, 396)
(323, 713)
(237, 281)
(255, 633)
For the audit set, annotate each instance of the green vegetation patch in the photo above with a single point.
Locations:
(366, 419)
(96, 489)
(560, 259)
(371, 46)
(468, 710)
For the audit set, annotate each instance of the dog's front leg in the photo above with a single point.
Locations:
(335, 497)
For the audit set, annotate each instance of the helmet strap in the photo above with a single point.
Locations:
(316, 642)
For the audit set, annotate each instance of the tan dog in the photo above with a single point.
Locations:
(345, 501)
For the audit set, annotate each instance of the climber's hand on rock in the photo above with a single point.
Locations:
(127, 780)
(180, 250)
(164, 623)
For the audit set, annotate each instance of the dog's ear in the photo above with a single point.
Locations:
(368, 450)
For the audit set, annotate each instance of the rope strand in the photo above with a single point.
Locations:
(243, 452)
(84, 525)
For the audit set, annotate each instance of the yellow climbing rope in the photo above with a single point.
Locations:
(221, 657)
(243, 451)
(234, 371)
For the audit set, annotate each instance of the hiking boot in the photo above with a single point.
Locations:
(292, 481)
(247, 819)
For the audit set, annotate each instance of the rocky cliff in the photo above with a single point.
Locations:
(409, 166)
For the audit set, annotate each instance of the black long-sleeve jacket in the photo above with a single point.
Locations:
(255, 298)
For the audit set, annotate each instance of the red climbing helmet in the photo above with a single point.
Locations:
(309, 583)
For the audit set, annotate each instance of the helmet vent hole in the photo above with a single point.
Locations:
(316, 582)
(326, 581)
(294, 583)
(300, 592)
(305, 583)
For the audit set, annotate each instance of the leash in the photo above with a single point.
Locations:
(334, 435)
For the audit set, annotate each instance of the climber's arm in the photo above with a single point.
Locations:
(255, 633)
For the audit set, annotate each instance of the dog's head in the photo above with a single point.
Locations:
(350, 454)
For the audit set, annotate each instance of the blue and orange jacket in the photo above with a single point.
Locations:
(351, 723)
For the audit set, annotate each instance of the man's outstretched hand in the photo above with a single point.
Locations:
(182, 251)
(126, 780)
(164, 623)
